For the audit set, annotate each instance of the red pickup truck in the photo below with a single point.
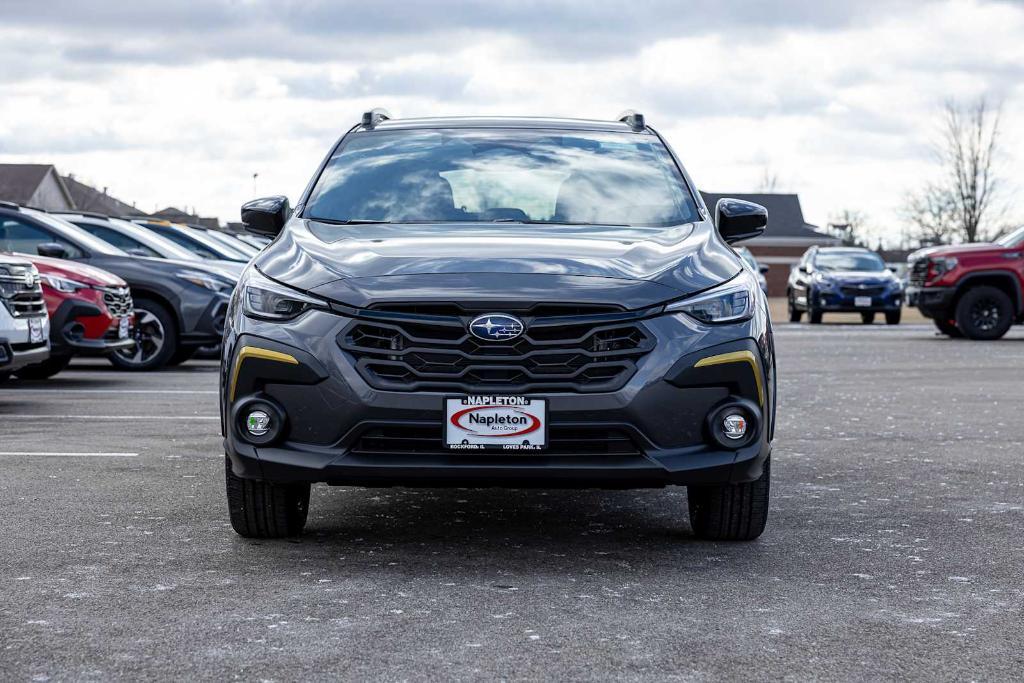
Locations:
(970, 290)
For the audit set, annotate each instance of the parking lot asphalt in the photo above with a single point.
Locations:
(895, 546)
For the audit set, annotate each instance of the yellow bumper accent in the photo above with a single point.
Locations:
(737, 357)
(255, 352)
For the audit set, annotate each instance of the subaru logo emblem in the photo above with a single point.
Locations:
(496, 327)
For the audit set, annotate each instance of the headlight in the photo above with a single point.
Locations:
(63, 284)
(727, 303)
(206, 280)
(942, 264)
(823, 280)
(268, 300)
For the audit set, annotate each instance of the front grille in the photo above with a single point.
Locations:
(919, 272)
(862, 291)
(428, 440)
(118, 301)
(583, 354)
(23, 298)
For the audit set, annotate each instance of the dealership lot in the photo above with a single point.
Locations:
(894, 547)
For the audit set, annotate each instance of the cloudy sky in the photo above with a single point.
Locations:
(177, 102)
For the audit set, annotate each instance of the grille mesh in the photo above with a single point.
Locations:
(565, 353)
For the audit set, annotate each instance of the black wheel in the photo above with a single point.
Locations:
(814, 317)
(867, 318)
(45, 370)
(182, 354)
(734, 512)
(156, 338)
(984, 313)
(947, 327)
(262, 509)
(4, 376)
(794, 314)
(893, 317)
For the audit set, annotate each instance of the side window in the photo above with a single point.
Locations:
(24, 238)
(117, 239)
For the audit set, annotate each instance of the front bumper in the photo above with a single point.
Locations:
(67, 331)
(933, 302)
(838, 302)
(16, 346)
(656, 420)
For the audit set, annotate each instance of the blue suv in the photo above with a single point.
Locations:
(843, 280)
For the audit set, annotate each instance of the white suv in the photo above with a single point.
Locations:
(24, 324)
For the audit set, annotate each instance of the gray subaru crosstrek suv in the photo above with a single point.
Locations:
(499, 302)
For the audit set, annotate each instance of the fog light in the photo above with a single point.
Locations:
(734, 426)
(257, 423)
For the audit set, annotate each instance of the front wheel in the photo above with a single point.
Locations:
(45, 370)
(733, 512)
(867, 318)
(263, 509)
(794, 313)
(893, 317)
(156, 338)
(814, 317)
(984, 313)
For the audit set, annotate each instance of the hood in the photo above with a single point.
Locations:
(860, 276)
(81, 272)
(959, 249)
(631, 266)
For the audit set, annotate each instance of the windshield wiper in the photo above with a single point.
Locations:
(348, 221)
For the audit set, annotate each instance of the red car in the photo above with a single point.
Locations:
(91, 313)
(970, 290)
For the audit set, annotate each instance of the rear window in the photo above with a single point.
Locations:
(455, 176)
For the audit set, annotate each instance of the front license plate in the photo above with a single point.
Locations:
(122, 328)
(35, 330)
(508, 423)
(862, 301)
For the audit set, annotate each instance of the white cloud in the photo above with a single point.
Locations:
(840, 103)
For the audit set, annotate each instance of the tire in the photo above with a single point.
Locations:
(156, 337)
(45, 370)
(261, 509)
(4, 376)
(814, 317)
(794, 314)
(984, 313)
(733, 512)
(867, 318)
(182, 354)
(893, 317)
(948, 328)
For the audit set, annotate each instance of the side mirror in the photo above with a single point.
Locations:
(266, 216)
(739, 220)
(803, 269)
(52, 250)
(764, 268)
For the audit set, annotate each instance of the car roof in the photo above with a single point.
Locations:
(505, 122)
(847, 250)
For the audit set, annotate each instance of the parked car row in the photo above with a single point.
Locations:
(144, 293)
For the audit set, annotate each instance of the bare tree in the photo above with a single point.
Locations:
(962, 203)
(932, 214)
(769, 180)
(849, 225)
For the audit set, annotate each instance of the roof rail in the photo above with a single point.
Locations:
(9, 205)
(374, 116)
(87, 214)
(634, 119)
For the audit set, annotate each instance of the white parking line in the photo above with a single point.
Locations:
(59, 391)
(70, 455)
(110, 417)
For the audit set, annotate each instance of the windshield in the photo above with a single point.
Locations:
(72, 232)
(1014, 239)
(222, 250)
(848, 261)
(452, 176)
(158, 243)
